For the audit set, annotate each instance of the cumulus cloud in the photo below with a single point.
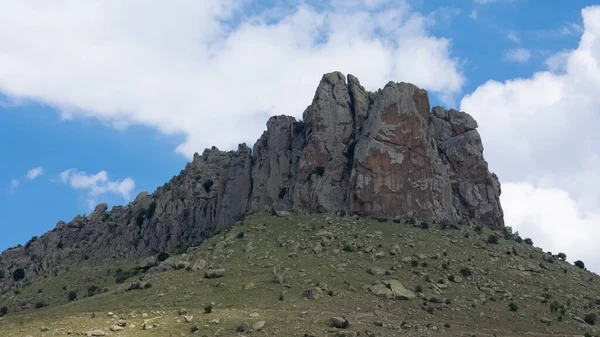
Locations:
(34, 173)
(98, 184)
(513, 37)
(520, 55)
(540, 135)
(192, 68)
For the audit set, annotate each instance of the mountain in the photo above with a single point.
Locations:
(383, 154)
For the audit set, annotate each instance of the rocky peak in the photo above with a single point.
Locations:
(381, 154)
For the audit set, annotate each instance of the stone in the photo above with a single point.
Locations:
(250, 286)
(376, 271)
(96, 333)
(116, 328)
(214, 273)
(258, 325)
(339, 322)
(399, 291)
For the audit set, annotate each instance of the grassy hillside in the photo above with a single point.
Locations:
(295, 273)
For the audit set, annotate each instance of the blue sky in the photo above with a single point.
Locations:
(134, 96)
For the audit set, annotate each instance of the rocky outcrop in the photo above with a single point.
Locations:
(384, 154)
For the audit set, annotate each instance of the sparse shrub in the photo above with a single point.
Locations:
(208, 308)
(64, 287)
(555, 306)
(92, 290)
(208, 184)
(414, 263)
(17, 292)
(493, 239)
(282, 192)
(562, 256)
(411, 221)
(1, 274)
(478, 229)
(147, 285)
(580, 264)
(451, 278)
(123, 275)
(240, 235)
(72, 296)
(18, 274)
(466, 271)
(320, 170)
(448, 301)
(513, 307)
(419, 289)
(59, 245)
(518, 239)
(528, 241)
(590, 318)
(40, 291)
(424, 264)
(3, 311)
(424, 225)
(32, 240)
(443, 225)
(162, 256)
(151, 209)
(444, 266)
(39, 305)
(194, 329)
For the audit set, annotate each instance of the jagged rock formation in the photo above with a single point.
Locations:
(383, 154)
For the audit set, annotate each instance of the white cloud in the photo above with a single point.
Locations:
(14, 184)
(513, 37)
(98, 184)
(540, 136)
(34, 173)
(520, 55)
(181, 68)
(554, 220)
(473, 14)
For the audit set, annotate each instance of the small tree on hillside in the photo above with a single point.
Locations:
(18, 274)
(580, 264)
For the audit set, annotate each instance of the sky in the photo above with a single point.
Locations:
(101, 100)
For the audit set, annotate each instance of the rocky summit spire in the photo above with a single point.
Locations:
(381, 154)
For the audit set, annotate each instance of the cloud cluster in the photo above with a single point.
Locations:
(520, 55)
(195, 68)
(34, 173)
(540, 135)
(97, 184)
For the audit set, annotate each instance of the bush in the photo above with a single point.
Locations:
(562, 256)
(59, 245)
(282, 192)
(493, 239)
(122, 275)
(32, 240)
(1, 274)
(208, 308)
(478, 229)
(424, 225)
(147, 285)
(465, 271)
(3, 311)
(320, 170)
(208, 184)
(590, 319)
(414, 263)
(72, 296)
(18, 274)
(513, 307)
(151, 210)
(419, 289)
(528, 241)
(162, 256)
(451, 278)
(92, 290)
(580, 264)
(40, 304)
(240, 235)
(518, 239)
(411, 221)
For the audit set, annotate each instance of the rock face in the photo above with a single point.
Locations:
(384, 154)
